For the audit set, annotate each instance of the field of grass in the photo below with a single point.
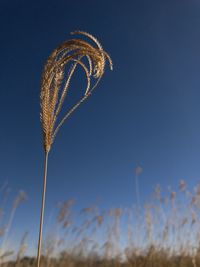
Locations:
(164, 232)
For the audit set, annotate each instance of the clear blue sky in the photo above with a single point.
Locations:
(147, 110)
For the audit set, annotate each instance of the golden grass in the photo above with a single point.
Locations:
(165, 232)
(54, 88)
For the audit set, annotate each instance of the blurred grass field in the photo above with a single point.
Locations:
(163, 232)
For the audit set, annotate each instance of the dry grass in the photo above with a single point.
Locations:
(55, 83)
(6, 222)
(54, 88)
(165, 232)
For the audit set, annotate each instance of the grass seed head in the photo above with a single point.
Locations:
(55, 82)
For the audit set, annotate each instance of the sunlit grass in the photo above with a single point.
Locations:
(56, 78)
(163, 232)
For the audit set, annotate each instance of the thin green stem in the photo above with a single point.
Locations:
(42, 209)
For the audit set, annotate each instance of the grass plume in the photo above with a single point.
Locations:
(54, 88)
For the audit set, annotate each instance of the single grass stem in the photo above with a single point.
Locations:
(42, 209)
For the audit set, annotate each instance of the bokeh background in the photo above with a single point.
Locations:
(145, 113)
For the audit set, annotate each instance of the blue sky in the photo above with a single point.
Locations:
(146, 110)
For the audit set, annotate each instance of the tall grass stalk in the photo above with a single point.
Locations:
(54, 88)
(138, 171)
(20, 198)
(42, 208)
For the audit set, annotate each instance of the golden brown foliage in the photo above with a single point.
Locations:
(55, 82)
(164, 233)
